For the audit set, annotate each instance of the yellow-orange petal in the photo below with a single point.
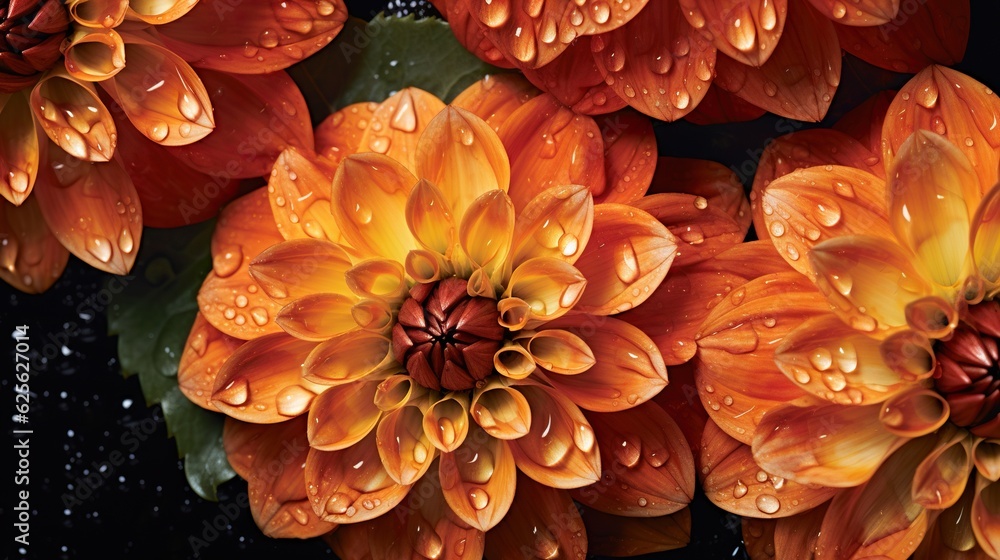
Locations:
(940, 479)
(796, 536)
(556, 223)
(646, 473)
(257, 116)
(548, 287)
(986, 515)
(463, 157)
(378, 279)
(339, 135)
(700, 229)
(808, 206)
(787, 84)
(627, 367)
(230, 298)
(933, 191)
(157, 12)
(341, 416)
(486, 230)
(31, 257)
(300, 196)
(93, 209)
(951, 537)
(559, 351)
(614, 535)
(954, 105)
(318, 317)
(738, 380)
(93, 55)
(626, 259)
(291, 270)
(746, 30)
(19, 148)
(543, 522)
(478, 479)
(878, 518)
(178, 111)
(97, 13)
(249, 382)
(72, 116)
(550, 146)
(803, 149)
(737, 484)
(915, 413)
(256, 38)
(403, 445)
(495, 97)
(431, 219)
(831, 445)
(398, 123)
(368, 204)
(560, 448)
(664, 80)
(501, 411)
(985, 240)
(922, 33)
(446, 422)
(864, 13)
(835, 362)
(351, 485)
(574, 79)
(347, 358)
(277, 489)
(867, 280)
(206, 350)
(535, 34)
(986, 455)
(398, 390)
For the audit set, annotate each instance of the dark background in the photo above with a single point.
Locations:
(83, 412)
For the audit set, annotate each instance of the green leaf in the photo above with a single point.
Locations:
(371, 61)
(152, 315)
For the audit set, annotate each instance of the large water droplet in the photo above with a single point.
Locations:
(235, 393)
(100, 247)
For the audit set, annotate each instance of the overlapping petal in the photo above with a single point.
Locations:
(31, 257)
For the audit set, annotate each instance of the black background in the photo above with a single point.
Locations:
(83, 411)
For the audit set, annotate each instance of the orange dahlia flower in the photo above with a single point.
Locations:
(429, 349)
(77, 76)
(662, 57)
(854, 381)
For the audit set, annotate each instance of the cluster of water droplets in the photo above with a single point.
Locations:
(298, 20)
(80, 124)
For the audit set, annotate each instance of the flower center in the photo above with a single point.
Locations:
(31, 32)
(446, 338)
(968, 370)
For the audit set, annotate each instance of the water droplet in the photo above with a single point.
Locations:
(479, 499)
(626, 263)
(259, 316)
(235, 393)
(768, 504)
(821, 359)
(241, 301)
(100, 247)
(338, 503)
(777, 229)
(268, 39)
(740, 489)
(405, 116)
(189, 106)
(158, 131)
(227, 261)
(583, 437)
(293, 400)
(125, 241)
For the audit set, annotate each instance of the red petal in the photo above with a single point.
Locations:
(921, 33)
(256, 117)
(470, 33)
(574, 79)
(862, 13)
(629, 156)
(864, 122)
(31, 258)
(719, 106)
(800, 78)
(253, 38)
